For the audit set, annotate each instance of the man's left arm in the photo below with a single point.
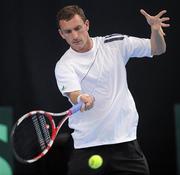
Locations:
(157, 22)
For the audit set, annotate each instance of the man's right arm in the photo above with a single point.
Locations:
(77, 96)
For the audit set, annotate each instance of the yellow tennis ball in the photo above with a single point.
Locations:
(95, 161)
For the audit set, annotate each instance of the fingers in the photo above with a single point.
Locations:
(165, 19)
(82, 107)
(165, 25)
(143, 12)
(156, 21)
(161, 13)
(88, 102)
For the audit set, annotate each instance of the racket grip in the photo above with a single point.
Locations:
(76, 108)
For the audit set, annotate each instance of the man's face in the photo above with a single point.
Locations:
(75, 32)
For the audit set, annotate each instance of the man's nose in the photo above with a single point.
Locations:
(74, 35)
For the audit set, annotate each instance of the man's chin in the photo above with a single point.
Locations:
(78, 48)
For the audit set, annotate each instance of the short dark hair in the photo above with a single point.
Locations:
(68, 12)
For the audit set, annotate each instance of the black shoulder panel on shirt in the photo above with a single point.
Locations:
(114, 34)
(113, 39)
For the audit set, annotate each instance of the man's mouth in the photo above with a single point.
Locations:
(76, 42)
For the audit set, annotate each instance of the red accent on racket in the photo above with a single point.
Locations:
(34, 133)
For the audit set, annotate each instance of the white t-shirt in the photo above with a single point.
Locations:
(101, 72)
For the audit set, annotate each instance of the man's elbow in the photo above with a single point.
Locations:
(159, 51)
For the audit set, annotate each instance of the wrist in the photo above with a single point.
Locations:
(79, 97)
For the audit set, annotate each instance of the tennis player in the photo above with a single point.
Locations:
(93, 71)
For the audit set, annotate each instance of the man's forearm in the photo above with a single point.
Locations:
(158, 44)
(73, 96)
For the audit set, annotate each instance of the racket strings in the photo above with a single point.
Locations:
(42, 128)
(45, 129)
(32, 136)
(25, 140)
(38, 132)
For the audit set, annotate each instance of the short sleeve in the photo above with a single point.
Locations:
(66, 78)
(136, 47)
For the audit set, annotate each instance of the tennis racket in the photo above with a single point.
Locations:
(34, 133)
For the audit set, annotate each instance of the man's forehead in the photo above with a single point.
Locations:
(72, 23)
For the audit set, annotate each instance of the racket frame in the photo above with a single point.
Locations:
(55, 129)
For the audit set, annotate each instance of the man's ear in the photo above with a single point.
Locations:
(87, 24)
(60, 33)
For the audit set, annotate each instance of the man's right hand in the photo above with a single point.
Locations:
(77, 96)
(88, 101)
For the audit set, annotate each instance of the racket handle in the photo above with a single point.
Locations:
(76, 108)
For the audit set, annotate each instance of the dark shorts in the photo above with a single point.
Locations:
(118, 159)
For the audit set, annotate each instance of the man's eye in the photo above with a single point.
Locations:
(67, 31)
(78, 28)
